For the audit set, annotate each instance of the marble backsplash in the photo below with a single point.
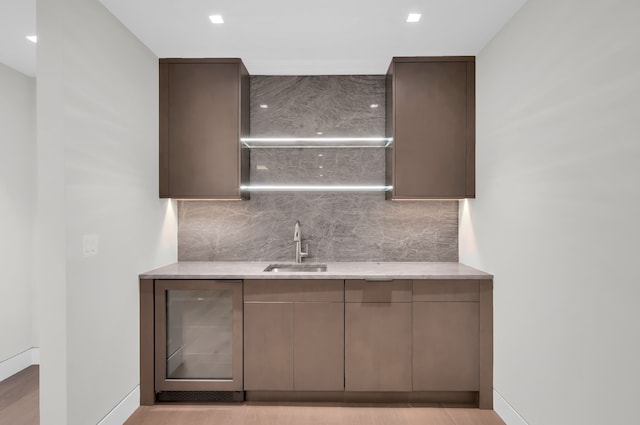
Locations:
(301, 166)
(338, 226)
(302, 106)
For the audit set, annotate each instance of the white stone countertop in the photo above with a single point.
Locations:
(346, 270)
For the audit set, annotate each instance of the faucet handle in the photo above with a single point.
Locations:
(305, 253)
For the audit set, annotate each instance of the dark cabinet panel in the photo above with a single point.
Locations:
(203, 115)
(318, 347)
(431, 117)
(292, 290)
(446, 290)
(378, 346)
(368, 291)
(268, 350)
(446, 346)
(294, 335)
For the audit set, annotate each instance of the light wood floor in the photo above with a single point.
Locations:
(19, 406)
(255, 414)
(19, 398)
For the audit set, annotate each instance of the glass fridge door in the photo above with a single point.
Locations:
(198, 335)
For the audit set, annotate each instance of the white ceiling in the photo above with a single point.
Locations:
(286, 36)
(18, 20)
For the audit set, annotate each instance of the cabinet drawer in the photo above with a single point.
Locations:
(293, 290)
(446, 290)
(373, 291)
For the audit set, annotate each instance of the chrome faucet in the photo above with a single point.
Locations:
(298, 240)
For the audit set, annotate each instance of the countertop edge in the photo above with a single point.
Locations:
(254, 270)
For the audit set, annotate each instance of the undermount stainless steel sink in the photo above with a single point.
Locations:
(296, 268)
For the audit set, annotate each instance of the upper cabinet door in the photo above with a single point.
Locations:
(203, 114)
(431, 117)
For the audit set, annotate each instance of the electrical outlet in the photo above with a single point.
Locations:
(90, 245)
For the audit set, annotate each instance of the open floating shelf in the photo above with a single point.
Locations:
(316, 142)
(315, 188)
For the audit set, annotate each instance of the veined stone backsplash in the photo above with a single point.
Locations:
(336, 105)
(338, 226)
(303, 166)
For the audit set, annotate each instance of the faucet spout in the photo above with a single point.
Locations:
(298, 240)
(296, 232)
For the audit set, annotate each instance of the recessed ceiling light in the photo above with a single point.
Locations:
(374, 105)
(414, 17)
(264, 106)
(216, 19)
(32, 38)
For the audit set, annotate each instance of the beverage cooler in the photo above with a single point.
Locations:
(198, 340)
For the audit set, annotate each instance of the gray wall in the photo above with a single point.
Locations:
(97, 148)
(337, 226)
(556, 218)
(18, 192)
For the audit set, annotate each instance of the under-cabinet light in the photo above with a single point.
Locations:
(316, 142)
(374, 105)
(216, 19)
(316, 139)
(414, 17)
(314, 188)
(264, 105)
(427, 199)
(32, 38)
(205, 199)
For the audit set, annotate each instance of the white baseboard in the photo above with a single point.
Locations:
(506, 412)
(124, 409)
(21, 361)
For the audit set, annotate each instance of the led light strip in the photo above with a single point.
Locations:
(316, 139)
(314, 188)
(285, 142)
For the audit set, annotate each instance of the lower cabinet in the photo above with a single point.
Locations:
(415, 338)
(378, 335)
(446, 335)
(294, 335)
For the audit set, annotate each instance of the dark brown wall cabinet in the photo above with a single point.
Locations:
(431, 118)
(204, 111)
(294, 335)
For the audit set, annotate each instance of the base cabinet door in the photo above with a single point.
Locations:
(294, 335)
(446, 346)
(268, 353)
(446, 335)
(378, 346)
(318, 347)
